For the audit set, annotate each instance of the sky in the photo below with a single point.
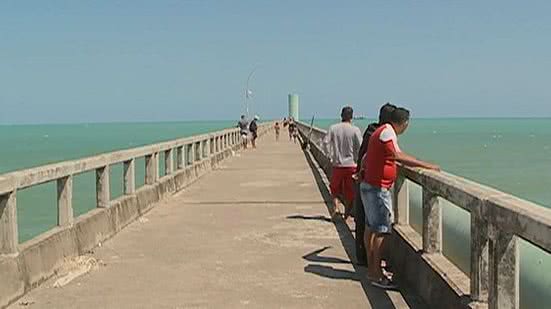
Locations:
(111, 61)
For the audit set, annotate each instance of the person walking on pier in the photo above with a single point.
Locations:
(253, 127)
(362, 238)
(277, 128)
(380, 173)
(341, 144)
(292, 129)
(243, 126)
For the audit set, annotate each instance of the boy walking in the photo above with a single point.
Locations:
(380, 173)
(277, 128)
(341, 144)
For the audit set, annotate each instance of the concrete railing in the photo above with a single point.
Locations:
(497, 220)
(25, 265)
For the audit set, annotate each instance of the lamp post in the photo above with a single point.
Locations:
(248, 92)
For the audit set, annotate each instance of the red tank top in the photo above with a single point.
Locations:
(379, 163)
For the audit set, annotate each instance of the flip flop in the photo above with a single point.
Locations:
(384, 283)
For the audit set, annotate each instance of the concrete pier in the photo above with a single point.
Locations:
(255, 232)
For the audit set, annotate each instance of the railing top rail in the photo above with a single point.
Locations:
(525, 219)
(38, 175)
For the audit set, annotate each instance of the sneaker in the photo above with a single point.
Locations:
(384, 283)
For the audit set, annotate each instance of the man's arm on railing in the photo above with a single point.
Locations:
(410, 160)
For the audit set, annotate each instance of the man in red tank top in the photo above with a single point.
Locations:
(380, 172)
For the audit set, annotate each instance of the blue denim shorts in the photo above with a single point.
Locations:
(378, 208)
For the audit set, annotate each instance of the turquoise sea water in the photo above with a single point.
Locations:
(512, 155)
(26, 146)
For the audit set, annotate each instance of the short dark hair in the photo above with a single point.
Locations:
(347, 113)
(400, 115)
(385, 113)
(242, 116)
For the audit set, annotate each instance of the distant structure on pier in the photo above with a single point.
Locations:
(293, 106)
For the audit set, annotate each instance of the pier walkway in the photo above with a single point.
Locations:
(253, 233)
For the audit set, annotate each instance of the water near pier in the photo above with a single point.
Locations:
(25, 146)
(512, 155)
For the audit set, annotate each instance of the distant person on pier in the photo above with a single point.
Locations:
(253, 128)
(362, 238)
(292, 128)
(243, 126)
(380, 172)
(276, 129)
(341, 144)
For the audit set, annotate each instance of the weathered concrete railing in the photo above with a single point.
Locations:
(497, 220)
(23, 266)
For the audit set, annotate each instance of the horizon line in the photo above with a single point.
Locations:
(267, 119)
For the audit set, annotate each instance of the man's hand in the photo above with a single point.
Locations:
(356, 177)
(433, 167)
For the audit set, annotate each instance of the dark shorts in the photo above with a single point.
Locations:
(377, 204)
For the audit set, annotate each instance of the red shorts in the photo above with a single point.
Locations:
(342, 183)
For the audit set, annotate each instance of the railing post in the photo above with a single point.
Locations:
(503, 271)
(198, 151)
(103, 188)
(65, 201)
(169, 162)
(9, 238)
(151, 168)
(479, 257)
(213, 145)
(432, 223)
(190, 154)
(401, 201)
(129, 177)
(206, 148)
(180, 157)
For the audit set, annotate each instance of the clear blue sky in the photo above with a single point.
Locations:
(70, 61)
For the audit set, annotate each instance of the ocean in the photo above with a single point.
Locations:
(512, 155)
(27, 146)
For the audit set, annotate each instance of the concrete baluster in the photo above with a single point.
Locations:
(65, 201)
(190, 154)
(129, 177)
(432, 223)
(9, 238)
(479, 257)
(198, 151)
(206, 148)
(103, 187)
(169, 162)
(151, 168)
(401, 201)
(503, 271)
(180, 160)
